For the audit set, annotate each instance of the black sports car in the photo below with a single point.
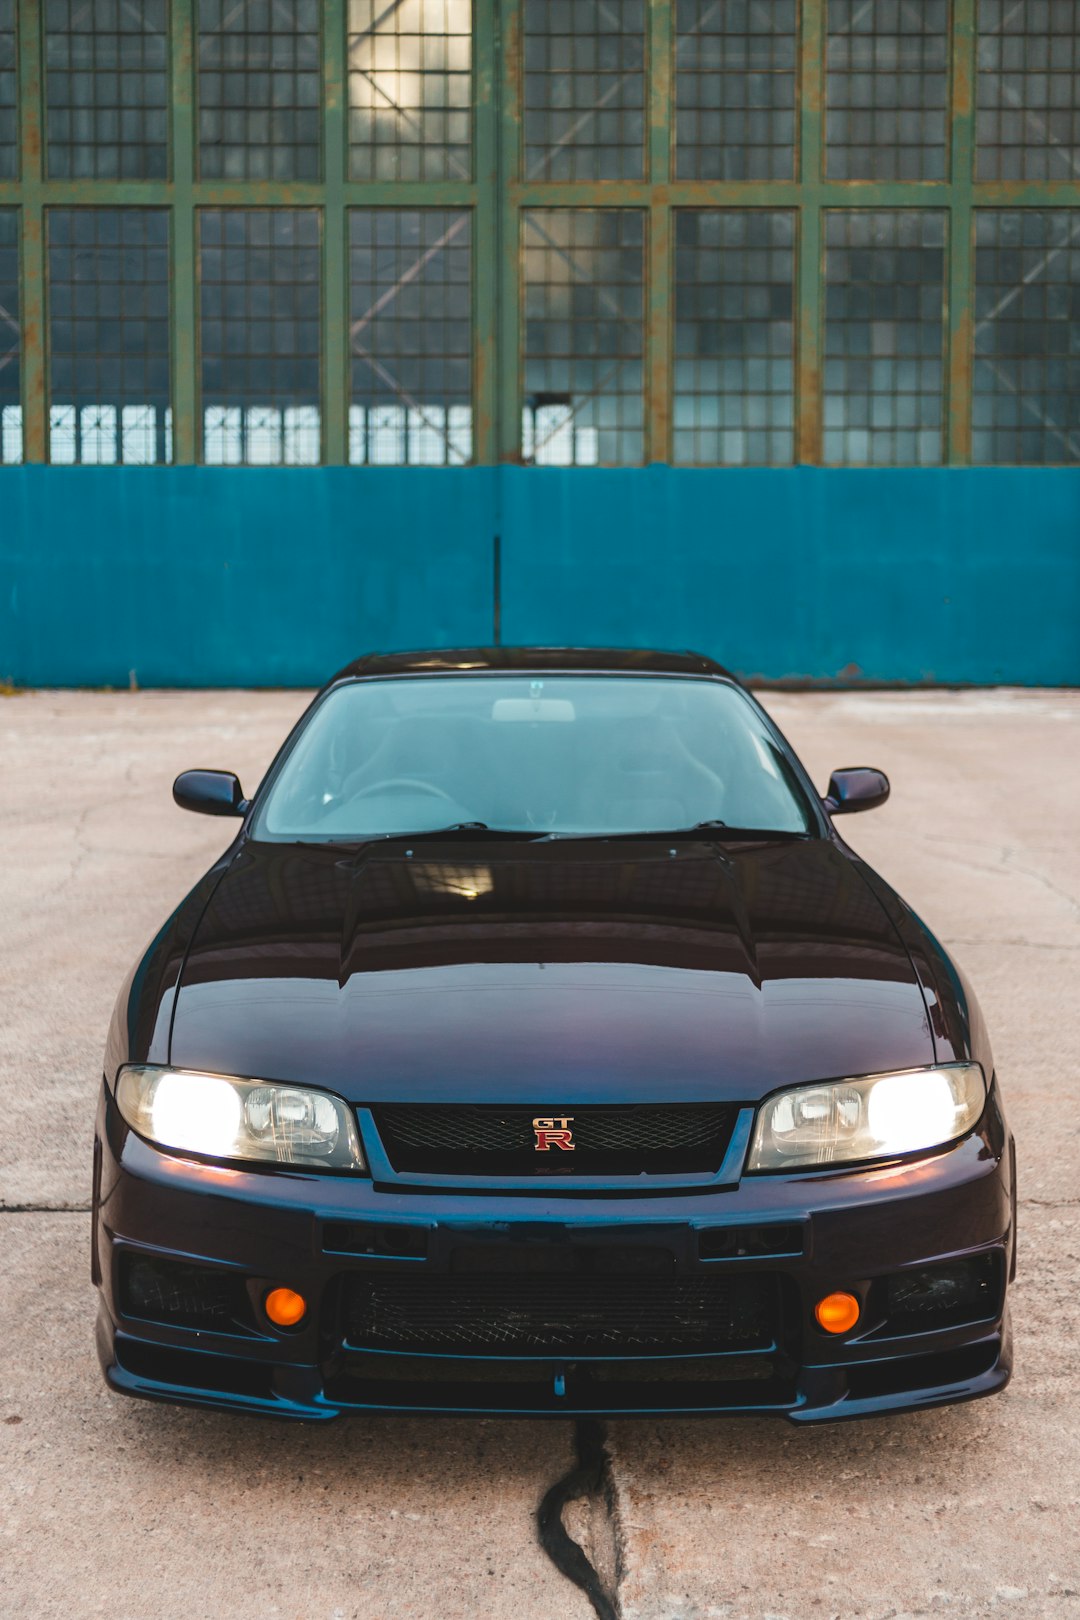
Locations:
(538, 1046)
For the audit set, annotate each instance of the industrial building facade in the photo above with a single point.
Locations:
(496, 238)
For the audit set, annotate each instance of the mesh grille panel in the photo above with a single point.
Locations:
(624, 1140)
(581, 1314)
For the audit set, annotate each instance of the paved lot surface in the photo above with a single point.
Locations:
(114, 1507)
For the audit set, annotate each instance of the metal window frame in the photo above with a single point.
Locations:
(943, 355)
(764, 208)
(497, 195)
(254, 205)
(197, 155)
(43, 91)
(94, 206)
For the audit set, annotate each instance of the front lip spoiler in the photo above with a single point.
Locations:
(298, 1393)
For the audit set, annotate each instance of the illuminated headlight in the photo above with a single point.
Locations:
(226, 1118)
(876, 1118)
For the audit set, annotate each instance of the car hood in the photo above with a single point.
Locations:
(548, 973)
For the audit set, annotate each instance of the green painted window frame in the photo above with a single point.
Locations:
(497, 195)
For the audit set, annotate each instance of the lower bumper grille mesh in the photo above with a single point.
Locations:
(567, 1315)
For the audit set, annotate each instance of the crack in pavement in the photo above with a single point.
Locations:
(44, 1209)
(1002, 860)
(1011, 865)
(590, 1480)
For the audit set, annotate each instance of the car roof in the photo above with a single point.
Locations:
(601, 660)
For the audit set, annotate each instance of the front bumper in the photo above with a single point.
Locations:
(791, 1239)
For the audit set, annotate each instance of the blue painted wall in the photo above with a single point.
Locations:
(201, 576)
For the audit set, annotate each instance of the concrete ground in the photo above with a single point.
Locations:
(112, 1507)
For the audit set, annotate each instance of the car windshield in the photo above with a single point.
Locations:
(562, 755)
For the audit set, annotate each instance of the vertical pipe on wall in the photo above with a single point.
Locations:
(808, 292)
(658, 357)
(961, 229)
(336, 342)
(183, 223)
(32, 314)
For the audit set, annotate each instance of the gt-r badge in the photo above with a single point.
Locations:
(554, 1133)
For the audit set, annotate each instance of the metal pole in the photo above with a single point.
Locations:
(32, 316)
(186, 436)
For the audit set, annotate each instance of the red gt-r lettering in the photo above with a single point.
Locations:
(553, 1133)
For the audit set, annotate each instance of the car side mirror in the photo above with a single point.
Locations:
(211, 793)
(858, 787)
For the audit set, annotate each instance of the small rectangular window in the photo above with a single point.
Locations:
(735, 89)
(584, 89)
(584, 337)
(10, 395)
(410, 89)
(260, 90)
(884, 334)
(106, 89)
(260, 308)
(887, 90)
(9, 101)
(734, 390)
(108, 301)
(1028, 97)
(410, 336)
(1026, 380)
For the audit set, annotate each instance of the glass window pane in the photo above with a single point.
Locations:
(410, 336)
(9, 116)
(10, 396)
(735, 89)
(884, 329)
(108, 294)
(106, 89)
(1028, 118)
(410, 89)
(584, 336)
(584, 89)
(260, 90)
(1026, 381)
(887, 90)
(260, 308)
(734, 385)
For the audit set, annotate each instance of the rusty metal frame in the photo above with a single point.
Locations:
(30, 195)
(497, 195)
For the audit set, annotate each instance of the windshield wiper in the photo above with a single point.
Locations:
(718, 830)
(456, 829)
(481, 832)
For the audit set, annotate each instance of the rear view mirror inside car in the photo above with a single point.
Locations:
(533, 709)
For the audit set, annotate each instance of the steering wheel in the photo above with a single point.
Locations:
(413, 783)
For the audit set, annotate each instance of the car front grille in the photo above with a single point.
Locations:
(479, 1139)
(573, 1314)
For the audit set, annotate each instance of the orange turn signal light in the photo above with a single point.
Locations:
(837, 1313)
(285, 1307)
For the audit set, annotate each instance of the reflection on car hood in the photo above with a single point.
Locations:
(488, 972)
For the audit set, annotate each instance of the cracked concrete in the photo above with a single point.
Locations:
(119, 1508)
